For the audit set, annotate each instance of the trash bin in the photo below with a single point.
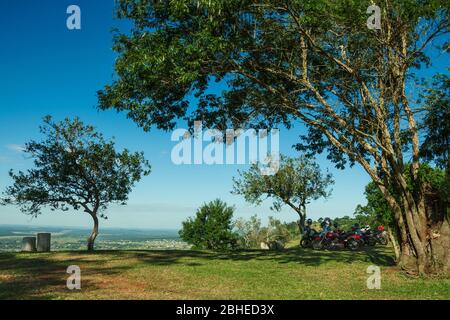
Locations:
(43, 242)
(29, 244)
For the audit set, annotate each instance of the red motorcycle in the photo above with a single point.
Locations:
(332, 240)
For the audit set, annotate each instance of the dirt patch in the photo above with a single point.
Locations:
(6, 277)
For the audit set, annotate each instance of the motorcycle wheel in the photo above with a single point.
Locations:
(372, 242)
(317, 245)
(353, 245)
(305, 243)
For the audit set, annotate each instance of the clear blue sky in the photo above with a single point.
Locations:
(47, 69)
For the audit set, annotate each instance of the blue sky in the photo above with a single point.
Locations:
(47, 69)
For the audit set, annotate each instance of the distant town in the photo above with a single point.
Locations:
(69, 238)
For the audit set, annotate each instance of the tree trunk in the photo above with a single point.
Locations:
(301, 221)
(424, 232)
(395, 245)
(440, 247)
(427, 248)
(94, 233)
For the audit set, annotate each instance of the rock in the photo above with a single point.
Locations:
(265, 246)
(29, 244)
(43, 242)
(272, 245)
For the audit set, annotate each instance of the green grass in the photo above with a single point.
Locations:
(289, 274)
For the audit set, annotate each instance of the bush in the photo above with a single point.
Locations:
(211, 228)
(278, 231)
(251, 232)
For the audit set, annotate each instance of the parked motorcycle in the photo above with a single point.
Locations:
(308, 236)
(371, 238)
(332, 240)
(368, 237)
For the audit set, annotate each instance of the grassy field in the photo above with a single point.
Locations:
(290, 274)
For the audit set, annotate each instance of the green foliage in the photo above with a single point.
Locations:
(74, 166)
(346, 222)
(436, 123)
(177, 49)
(278, 231)
(251, 232)
(211, 228)
(377, 210)
(292, 229)
(297, 182)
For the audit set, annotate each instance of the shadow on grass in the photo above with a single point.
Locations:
(43, 276)
(307, 257)
(38, 276)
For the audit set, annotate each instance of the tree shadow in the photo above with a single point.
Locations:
(307, 257)
(44, 276)
(38, 276)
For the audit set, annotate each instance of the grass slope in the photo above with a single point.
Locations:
(290, 274)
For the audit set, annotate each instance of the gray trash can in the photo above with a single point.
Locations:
(43, 242)
(29, 244)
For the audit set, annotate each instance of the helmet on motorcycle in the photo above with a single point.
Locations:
(327, 221)
(367, 227)
(309, 222)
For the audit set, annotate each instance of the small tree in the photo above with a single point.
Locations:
(296, 184)
(277, 231)
(75, 167)
(249, 232)
(211, 228)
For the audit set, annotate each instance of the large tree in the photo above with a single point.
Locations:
(288, 61)
(75, 167)
(297, 182)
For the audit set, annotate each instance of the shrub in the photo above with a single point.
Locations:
(251, 232)
(211, 228)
